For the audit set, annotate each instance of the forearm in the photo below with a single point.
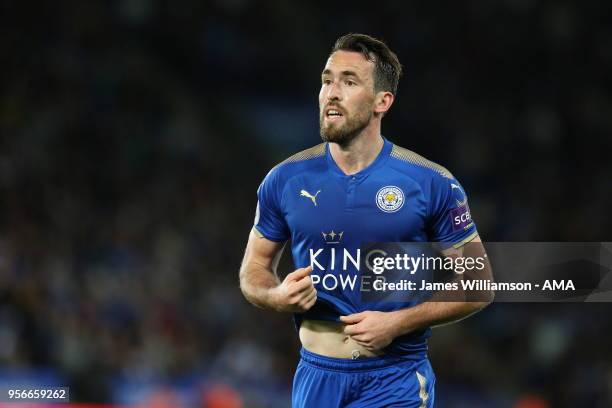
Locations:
(431, 314)
(256, 282)
(450, 306)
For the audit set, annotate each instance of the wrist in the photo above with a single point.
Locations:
(272, 299)
(401, 323)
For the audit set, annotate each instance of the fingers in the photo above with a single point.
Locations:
(352, 323)
(366, 345)
(301, 291)
(362, 338)
(353, 329)
(353, 318)
(300, 281)
(364, 341)
(303, 285)
(311, 295)
(299, 274)
(304, 299)
(309, 301)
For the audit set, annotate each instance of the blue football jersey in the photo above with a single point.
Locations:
(328, 215)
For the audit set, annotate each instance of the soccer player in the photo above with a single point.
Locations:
(355, 187)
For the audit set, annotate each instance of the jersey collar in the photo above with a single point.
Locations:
(378, 162)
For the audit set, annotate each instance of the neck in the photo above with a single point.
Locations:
(360, 153)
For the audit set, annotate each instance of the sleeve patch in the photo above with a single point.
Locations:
(460, 217)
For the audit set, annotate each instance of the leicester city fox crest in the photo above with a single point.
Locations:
(390, 199)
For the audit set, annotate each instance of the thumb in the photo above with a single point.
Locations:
(300, 273)
(353, 318)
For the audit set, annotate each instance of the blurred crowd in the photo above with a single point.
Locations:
(134, 134)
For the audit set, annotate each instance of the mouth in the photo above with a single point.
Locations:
(333, 114)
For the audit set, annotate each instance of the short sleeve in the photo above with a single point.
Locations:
(269, 220)
(450, 220)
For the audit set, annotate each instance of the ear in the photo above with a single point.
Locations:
(383, 102)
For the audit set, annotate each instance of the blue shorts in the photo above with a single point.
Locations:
(387, 381)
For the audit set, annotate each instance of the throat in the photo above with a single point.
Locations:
(356, 157)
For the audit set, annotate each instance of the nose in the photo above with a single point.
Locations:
(333, 92)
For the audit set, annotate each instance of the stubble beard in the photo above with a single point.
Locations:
(345, 133)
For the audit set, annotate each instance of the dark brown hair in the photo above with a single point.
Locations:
(387, 68)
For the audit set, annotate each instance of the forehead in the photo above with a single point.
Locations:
(341, 61)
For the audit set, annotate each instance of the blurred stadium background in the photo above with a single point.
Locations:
(134, 135)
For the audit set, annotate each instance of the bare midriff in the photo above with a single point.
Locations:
(328, 339)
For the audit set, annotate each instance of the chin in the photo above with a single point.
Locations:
(338, 136)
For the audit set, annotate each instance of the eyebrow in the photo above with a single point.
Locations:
(327, 71)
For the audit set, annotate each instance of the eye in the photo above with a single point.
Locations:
(349, 82)
(326, 81)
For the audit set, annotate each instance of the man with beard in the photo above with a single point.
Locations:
(355, 187)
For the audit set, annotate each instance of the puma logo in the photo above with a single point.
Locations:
(305, 193)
